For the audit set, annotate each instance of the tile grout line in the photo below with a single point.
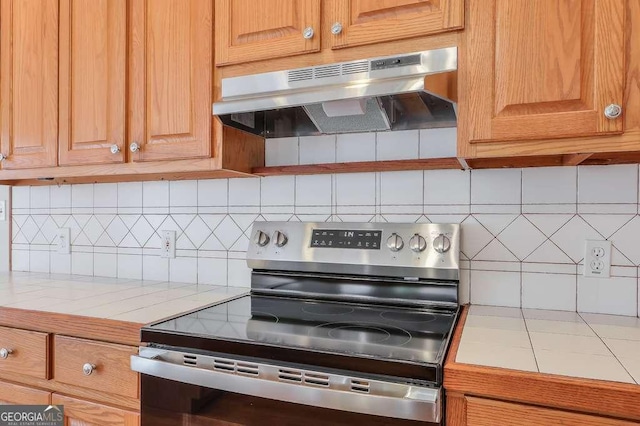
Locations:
(535, 359)
(608, 348)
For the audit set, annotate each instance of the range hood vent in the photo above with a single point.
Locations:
(380, 94)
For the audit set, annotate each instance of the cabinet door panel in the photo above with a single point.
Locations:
(78, 412)
(171, 78)
(15, 394)
(92, 80)
(29, 83)
(375, 21)
(249, 30)
(543, 69)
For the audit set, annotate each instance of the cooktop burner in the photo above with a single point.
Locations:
(413, 335)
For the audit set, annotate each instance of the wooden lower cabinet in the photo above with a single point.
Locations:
(11, 393)
(78, 412)
(472, 411)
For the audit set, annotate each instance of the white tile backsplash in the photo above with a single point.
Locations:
(352, 147)
(608, 184)
(402, 145)
(523, 231)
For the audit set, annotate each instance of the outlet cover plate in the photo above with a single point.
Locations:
(63, 243)
(597, 259)
(168, 249)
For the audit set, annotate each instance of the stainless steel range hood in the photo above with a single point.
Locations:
(378, 94)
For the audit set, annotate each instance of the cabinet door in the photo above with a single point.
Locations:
(171, 78)
(375, 21)
(249, 30)
(29, 83)
(16, 394)
(542, 68)
(92, 80)
(78, 412)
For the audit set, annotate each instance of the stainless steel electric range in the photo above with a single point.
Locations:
(345, 323)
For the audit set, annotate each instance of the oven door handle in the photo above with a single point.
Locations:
(417, 403)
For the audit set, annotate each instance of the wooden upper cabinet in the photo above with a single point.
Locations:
(250, 30)
(542, 68)
(375, 21)
(28, 83)
(93, 40)
(171, 67)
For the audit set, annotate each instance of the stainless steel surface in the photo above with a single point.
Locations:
(269, 103)
(4, 353)
(336, 28)
(88, 369)
(298, 255)
(134, 147)
(261, 238)
(395, 242)
(308, 33)
(114, 149)
(612, 111)
(280, 239)
(441, 243)
(320, 389)
(417, 243)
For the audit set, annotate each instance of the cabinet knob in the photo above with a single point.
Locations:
(308, 33)
(2, 157)
(114, 149)
(4, 353)
(336, 28)
(134, 147)
(612, 111)
(87, 369)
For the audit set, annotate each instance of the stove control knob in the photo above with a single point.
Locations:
(394, 242)
(441, 244)
(280, 238)
(417, 243)
(261, 239)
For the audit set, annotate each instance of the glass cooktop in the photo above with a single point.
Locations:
(413, 335)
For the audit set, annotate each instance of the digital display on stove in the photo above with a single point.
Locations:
(344, 238)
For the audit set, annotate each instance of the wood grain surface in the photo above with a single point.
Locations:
(112, 372)
(30, 352)
(78, 412)
(11, 393)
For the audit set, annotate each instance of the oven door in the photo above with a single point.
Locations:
(174, 394)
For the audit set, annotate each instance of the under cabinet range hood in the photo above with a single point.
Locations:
(401, 92)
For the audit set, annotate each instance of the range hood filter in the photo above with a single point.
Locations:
(373, 119)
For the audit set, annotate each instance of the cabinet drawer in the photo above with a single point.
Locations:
(107, 365)
(487, 412)
(16, 394)
(27, 352)
(79, 412)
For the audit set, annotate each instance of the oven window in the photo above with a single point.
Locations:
(165, 402)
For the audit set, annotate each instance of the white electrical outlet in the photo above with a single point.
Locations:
(63, 241)
(168, 248)
(3, 210)
(597, 259)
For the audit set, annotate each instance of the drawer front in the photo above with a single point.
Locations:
(16, 394)
(25, 352)
(78, 412)
(95, 365)
(487, 412)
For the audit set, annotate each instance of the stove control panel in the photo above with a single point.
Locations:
(423, 250)
(346, 238)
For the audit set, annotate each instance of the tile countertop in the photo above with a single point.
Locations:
(107, 298)
(594, 346)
